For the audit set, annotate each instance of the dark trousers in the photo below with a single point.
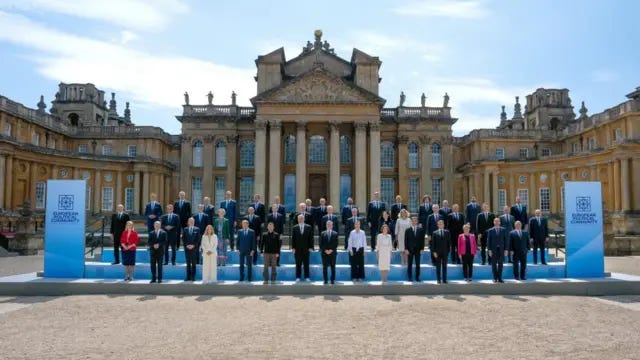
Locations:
(302, 261)
(191, 258)
(357, 264)
(454, 251)
(467, 266)
(483, 250)
(329, 261)
(156, 263)
(413, 256)
(520, 265)
(182, 226)
(375, 228)
(174, 249)
(255, 253)
(441, 268)
(538, 244)
(116, 248)
(497, 260)
(245, 258)
(270, 261)
(232, 240)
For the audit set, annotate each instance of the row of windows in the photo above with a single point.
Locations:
(107, 149)
(107, 200)
(523, 194)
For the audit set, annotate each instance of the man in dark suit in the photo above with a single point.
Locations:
(201, 222)
(301, 246)
(374, 213)
(182, 208)
(246, 249)
(426, 209)
(507, 221)
(281, 209)
(310, 209)
(319, 212)
(350, 225)
(303, 210)
(395, 208)
(439, 246)
(260, 209)
(445, 210)
(209, 209)
(519, 247)
(170, 223)
(414, 246)
(471, 214)
(255, 224)
(454, 225)
(157, 242)
(346, 212)
(539, 232)
(191, 236)
(118, 223)
(328, 250)
(152, 212)
(519, 212)
(498, 248)
(276, 218)
(484, 220)
(432, 220)
(330, 216)
(231, 213)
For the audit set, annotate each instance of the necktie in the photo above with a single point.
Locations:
(519, 234)
(486, 216)
(157, 234)
(519, 208)
(414, 231)
(245, 233)
(496, 231)
(436, 217)
(456, 216)
(227, 205)
(200, 217)
(301, 229)
(538, 221)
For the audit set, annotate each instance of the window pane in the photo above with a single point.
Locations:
(197, 154)
(290, 192)
(523, 194)
(107, 149)
(345, 189)
(413, 156)
(88, 199)
(545, 201)
(435, 157)
(129, 195)
(221, 154)
(247, 154)
(290, 150)
(345, 150)
(196, 191)
(387, 189)
(221, 187)
(386, 155)
(524, 153)
(82, 149)
(500, 153)
(246, 194)
(132, 151)
(40, 195)
(413, 195)
(562, 198)
(436, 192)
(107, 199)
(317, 150)
(502, 200)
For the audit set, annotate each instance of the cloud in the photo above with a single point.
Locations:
(148, 15)
(461, 9)
(383, 45)
(604, 76)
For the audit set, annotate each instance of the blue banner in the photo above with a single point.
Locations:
(64, 237)
(584, 229)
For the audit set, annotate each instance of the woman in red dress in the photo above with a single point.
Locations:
(129, 242)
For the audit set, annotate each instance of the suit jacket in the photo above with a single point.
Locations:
(226, 228)
(446, 211)
(281, 209)
(350, 225)
(423, 213)
(172, 235)
(183, 211)
(118, 224)
(507, 222)
(519, 243)
(432, 222)
(440, 242)
(395, 210)
(520, 215)
(270, 242)
(260, 210)
(191, 237)
(318, 213)
(333, 218)
(160, 239)
(482, 223)
(277, 220)
(308, 218)
(471, 214)
(328, 241)
(374, 214)
(302, 242)
(538, 232)
(156, 210)
(255, 224)
(231, 209)
(455, 225)
(201, 221)
(210, 210)
(346, 213)
(497, 240)
(246, 243)
(462, 246)
(414, 242)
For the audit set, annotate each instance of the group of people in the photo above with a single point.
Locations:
(208, 235)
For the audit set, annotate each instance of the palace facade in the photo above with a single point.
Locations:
(318, 128)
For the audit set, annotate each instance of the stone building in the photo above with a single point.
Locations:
(317, 128)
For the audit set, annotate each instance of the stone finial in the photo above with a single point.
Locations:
(423, 100)
(41, 105)
(186, 98)
(210, 98)
(517, 112)
(112, 102)
(318, 39)
(583, 111)
(127, 112)
(403, 97)
(503, 114)
(233, 97)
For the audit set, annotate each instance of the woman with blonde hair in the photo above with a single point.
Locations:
(402, 224)
(467, 249)
(209, 247)
(129, 242)
(383, 251)
(222, 229)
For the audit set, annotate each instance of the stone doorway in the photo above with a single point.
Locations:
(317, 187)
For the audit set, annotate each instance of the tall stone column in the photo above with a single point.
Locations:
(361, 164)
(136, 192)
(275, 158)
(145, 188)
(486, 186)
(118, 189)
(232, 162)
(207, 170)
(33, 173)
(374, 156)
(97, 192)
(260, 162)
(301, 161)
(512, 189)
(3, 161)
(494, 192)
(611, 184)
(476, 186)
(186, 160)
(403, 158)
(334, 165)
(425, 166)
(533, 204)
(553, 193)
(635, 190)
(616, 181)
(8, 183)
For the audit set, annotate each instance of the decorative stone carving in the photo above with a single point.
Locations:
(208, 138)
(232, 139)
(108, 177)
(424, 140)
(130, 178)
(301, 124)
(374, 126)
(260, 124)
(403, 139)
(275, 124)
(360, 126)
(186, 139)
(333, 125)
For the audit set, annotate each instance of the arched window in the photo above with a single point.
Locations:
(386, 155)
(247, 154)
(290, 150)
(74, 119)
(317, 150)
(435, 156)
(413, 156)
(345, 150)
(197, 153)
(221, 154)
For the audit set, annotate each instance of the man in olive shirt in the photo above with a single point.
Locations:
(270, 248)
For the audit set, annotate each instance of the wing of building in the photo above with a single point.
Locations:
(317, 128)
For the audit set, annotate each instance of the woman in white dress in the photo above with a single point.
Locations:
(402, 224)
(383, 251)
(209, 248)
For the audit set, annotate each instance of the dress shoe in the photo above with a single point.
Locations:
(333, 282)
(417, 279)
(523, 278)
(165, 263)
(152, 281)
(495, 281)
(115, 263)
(173, 263)
(159, 281)
(307, 279)
(187, 279)
(544, 263)
(265, 283)
(326, 282)
(500, 280)
(444, 281)
(439, 282)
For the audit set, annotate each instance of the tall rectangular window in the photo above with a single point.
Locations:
(246, 194)
(290, 192)
(618, 134)
(500, 153)
(107, 198)
(196, 191)
(82, 149)
(562, 198)
(221, 154)
(524, 153)
(221, 189)
(345, 190)
(41, 189)
(87, 199)
(129, 198)
(412, 202)
(502, 200)
(107, 149)
(387, 189)
(132, 151)
(545, 201)
(35, 139)
(7, 129)
(523, 194)
(546, 151)
(436, 190)
(592, 143)
(575, 148)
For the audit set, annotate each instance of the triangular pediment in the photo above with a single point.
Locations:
(318, 86)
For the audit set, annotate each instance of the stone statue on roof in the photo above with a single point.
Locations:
(403, 97)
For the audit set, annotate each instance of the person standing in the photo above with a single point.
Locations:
(498, 248)
(350, 225)
(209, 247)
(304, 210)
(426, 209)
(182, 208)
(402, 224)
(118, 223)
(374, 212)
(467, 250)
(171, 225)
(157, 243)
(270, 245)
(129, 243)
(191, 240)
(202, 220)
(152, 212)
(454, 225)
(507, 221)
(319, 212)
(414, 246)
(301, 246)
(328, 251)
(383, 251)
(246, 249)
(255, 224)
(345, 213)
(209, 209)
(445, 210)
(260, 210)
(231, 213)
(276, 218)
(539, 232)
(385, 219)
(519, 212)
(471, 213)
(439, 246)
(281, 208)
(484, 220)
(397, 207)
(357, 243)
(330, 216)
(222, 228)
(519, 247)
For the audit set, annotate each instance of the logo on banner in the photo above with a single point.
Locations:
(65, 213)
(583, 203)
(583, 213)
(65, 202)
